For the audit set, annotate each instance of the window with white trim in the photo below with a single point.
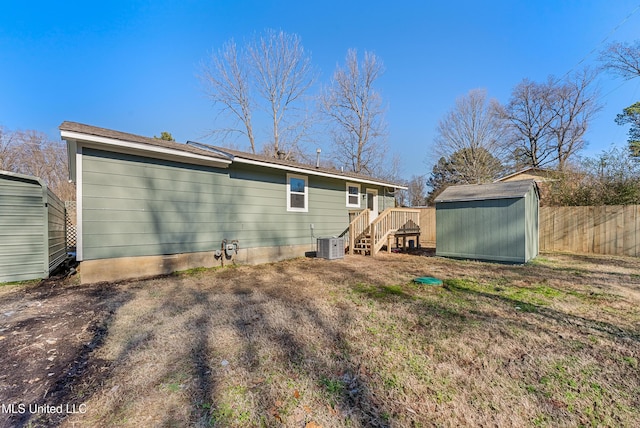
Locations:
(297, 193)
(353, 195)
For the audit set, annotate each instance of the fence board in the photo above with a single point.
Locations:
(613, 229)
(428, 226)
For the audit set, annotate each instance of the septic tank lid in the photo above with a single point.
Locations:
(428, 280)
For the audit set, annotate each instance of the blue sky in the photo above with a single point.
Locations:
(132, 65)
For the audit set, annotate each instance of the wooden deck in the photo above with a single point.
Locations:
(368, 237)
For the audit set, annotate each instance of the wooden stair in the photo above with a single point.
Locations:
(363, 245)
(368, 238)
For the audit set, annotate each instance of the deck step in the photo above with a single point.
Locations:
(363, 245)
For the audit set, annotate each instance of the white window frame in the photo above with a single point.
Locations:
(350, 205)
(306, 193)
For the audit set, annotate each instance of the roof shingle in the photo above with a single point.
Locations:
(133, 138)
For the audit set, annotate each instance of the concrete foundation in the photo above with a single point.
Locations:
(92, 271)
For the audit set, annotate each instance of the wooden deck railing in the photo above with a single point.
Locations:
(358, 227)
(389, 221)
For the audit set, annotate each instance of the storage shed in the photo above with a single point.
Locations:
(32, 228)
(497, 222)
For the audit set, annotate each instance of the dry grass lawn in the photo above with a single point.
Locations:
(353, 342)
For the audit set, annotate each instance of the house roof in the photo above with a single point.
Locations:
(245, 157)
(70, 130)
(133, 138)
(479, 192)
(542, 172)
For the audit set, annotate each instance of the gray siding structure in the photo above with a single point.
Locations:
(32, 228)
(497, 222)
(141, 198)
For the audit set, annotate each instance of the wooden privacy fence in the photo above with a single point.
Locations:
(612, 229)
(428, 226)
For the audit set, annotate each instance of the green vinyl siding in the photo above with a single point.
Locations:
(22, 230)
(386, 199)
(57, 238)
(135, 206)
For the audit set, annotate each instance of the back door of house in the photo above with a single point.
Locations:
(372, 203)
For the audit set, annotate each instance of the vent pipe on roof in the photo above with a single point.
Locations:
(318, 151)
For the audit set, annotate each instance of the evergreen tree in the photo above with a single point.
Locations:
(466, 166)
(164, 135)
(631, 115)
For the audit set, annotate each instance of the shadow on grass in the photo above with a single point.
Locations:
(382, 292)
(279, 339)
(200, 360)
(325, 362)
(558, 316)
(75, 369)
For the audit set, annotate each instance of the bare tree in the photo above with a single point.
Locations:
(283, 73)
(417, 191)
(528, 120)
(573, 104)
(547, 121)
(472, 132)
(9, 155)
(226, 83)
(271, 73)
(622, 59)
(32, 153)
(354, 110)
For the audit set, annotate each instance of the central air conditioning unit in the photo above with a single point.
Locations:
(330, 248)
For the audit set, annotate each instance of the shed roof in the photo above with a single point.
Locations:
(479, 192)
(23, 177)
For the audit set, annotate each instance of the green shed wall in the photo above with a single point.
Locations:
(532, 225)
(137, 206)
(32, 235)
(57, 232)
(484, 230)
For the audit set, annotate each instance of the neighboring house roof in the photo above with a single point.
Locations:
(529, 173)
(78, 131)
(479, 192)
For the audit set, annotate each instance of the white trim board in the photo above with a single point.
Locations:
(163, 152)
